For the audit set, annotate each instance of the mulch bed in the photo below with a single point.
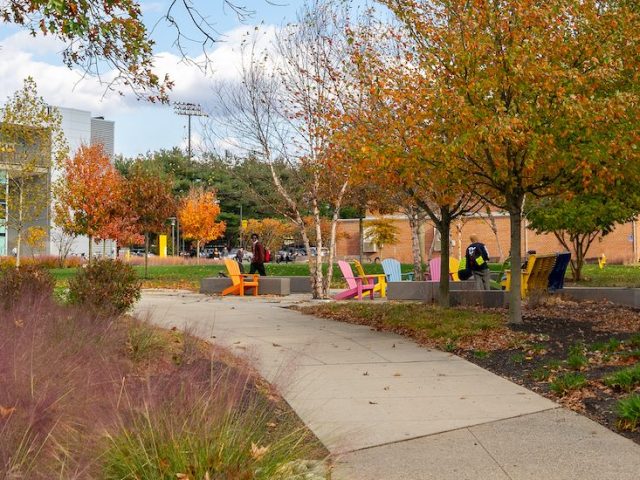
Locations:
(555, 330)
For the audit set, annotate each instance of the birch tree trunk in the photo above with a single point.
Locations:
(332, 240)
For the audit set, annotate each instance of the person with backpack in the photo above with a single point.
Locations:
(477, 258)
(259, 256)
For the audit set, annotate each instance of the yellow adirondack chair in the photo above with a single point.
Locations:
(240, 282)
(535, 276)
(454, 266)
(380, 279)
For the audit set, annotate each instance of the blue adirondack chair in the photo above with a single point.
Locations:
(556, 277)
(391, 268)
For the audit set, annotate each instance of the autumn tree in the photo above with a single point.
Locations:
(31, 136)
(381, 231)
(396, 137)
(536, 96)
(197, 214)
(278, 114)
(578, 221)
(273, 232)
(88, 194)
(149, 200)
(36, 239)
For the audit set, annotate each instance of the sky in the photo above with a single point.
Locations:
(141, 127)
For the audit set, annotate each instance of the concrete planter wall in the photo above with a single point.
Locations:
(629, 297)
(268, 286)
(299, 284)
(461, 293)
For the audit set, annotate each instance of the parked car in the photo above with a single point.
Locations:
(248, 256)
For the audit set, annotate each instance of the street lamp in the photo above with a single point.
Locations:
(173, 235)
(189, 110)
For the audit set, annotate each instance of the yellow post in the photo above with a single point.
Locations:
(162, 246)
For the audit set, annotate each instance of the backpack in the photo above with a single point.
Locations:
(475, 256)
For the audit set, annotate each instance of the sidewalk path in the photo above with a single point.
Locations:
(394, 410)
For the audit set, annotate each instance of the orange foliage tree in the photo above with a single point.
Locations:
(148, 198)
(197, 214)
(536, 97)
(396, 136)
(88, 194)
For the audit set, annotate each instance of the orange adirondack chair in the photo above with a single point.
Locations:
(239, 280)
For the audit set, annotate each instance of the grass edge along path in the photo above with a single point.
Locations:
(430, 325)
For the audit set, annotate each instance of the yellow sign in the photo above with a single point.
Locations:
(244, 224)
(162, 246)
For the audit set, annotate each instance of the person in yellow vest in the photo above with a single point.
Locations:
(478, 262)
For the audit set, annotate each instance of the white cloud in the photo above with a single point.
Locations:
(139, 126)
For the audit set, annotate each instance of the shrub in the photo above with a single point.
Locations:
(25, 281)
(567, 382)
(629, 412)
(625, 379)
(108, 286)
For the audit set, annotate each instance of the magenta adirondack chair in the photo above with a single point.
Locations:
(434, 269)
(355, 284)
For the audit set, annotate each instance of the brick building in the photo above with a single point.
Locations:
(620, 246)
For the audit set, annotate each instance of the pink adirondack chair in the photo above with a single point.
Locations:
(434, 269)
(355, 284)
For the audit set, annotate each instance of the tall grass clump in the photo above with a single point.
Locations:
(59, 375)
(25, 283)
(625, 379)
(77, 401)
(629, 412)
(232, 431)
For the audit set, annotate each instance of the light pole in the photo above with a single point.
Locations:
(173, 235)
(189, 110)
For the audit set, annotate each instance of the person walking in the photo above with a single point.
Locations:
(240, 259)
(257, 262)
(478, 262)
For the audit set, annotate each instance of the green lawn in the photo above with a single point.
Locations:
(609, 276)
(189, 276)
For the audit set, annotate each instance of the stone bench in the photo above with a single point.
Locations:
(422, 290)
(298, 284)
(460, 293)
(268, 285)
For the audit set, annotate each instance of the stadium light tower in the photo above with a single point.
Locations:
(189, 110)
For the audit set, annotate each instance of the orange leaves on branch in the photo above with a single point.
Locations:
(197, 214)
(88, 194)
(148, 199)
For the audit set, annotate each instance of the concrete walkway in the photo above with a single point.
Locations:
(390, 409)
